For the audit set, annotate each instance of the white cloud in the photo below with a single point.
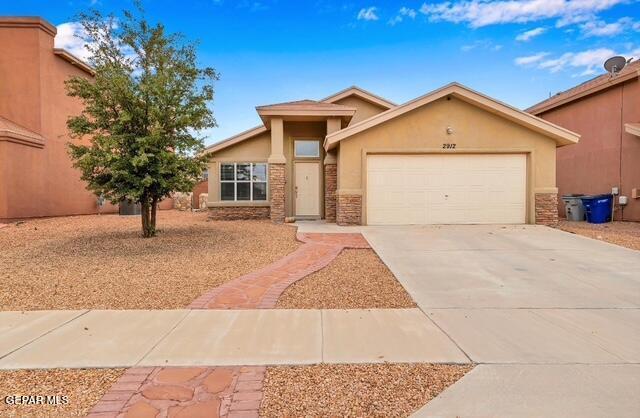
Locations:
(406, 11)
(530, 59)
(478, 13)
(69, 37)
(565, 21)
(530, 34)
(601, 28)
(481, 44)
(587, 61)
(395, 20)
(368, 13)
(402, 13)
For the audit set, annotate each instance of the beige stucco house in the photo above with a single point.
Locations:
(452, 156)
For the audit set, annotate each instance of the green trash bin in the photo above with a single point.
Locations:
(573, 208)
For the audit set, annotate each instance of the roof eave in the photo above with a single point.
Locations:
(542, 107)
(560, 135)
(296, 112)
(73, 60)
(242, 136)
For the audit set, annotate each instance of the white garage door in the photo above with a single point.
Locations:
(446, 189)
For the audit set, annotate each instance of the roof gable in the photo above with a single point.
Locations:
(560, 135)
(361, 93)
(242, 136)
(322, 106)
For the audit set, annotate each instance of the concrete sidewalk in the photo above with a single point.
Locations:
(524, 391)
(74, 339)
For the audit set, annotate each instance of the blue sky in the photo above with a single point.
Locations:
(268, 51)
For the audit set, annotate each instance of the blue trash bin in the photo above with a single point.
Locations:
(598, 208)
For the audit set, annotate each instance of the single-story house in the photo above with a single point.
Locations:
(37, 177)
(452, 156)
(605, 111)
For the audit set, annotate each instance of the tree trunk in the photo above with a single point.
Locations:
(154, 210)
(148, 229)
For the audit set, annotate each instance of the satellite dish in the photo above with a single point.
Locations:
(615, 64)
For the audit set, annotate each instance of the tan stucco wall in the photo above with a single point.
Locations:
(424, 130)
(364, 109)
(258, 149)
(254, 150)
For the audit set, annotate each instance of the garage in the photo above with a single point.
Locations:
(452, 156)
(446, 189)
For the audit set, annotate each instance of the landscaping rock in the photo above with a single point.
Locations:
(203, 199)
(182, 201)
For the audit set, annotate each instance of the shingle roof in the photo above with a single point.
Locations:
(580, 90)
(304, 105)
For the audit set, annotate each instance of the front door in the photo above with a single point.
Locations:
(307, 189)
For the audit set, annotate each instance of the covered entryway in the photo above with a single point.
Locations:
(446, 189)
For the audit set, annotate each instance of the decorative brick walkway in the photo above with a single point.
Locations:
(221, 392)
(189, 392)
(260, 289)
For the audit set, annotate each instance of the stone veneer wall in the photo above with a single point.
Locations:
(546, 208)
(232, 213)
(330, 187)
(349, 209)
(277, 182)
(182, 201)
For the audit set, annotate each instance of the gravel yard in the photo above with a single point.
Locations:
(626, 234)
(364, 390)
(102, 262)
(356, 279)
(83, 388)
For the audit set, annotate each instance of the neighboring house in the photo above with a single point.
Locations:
(36, 174)
(453, 156)
(605, 111)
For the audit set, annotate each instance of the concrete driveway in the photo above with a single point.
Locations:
(553, 319)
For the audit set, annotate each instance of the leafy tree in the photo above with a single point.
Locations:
(142, 112)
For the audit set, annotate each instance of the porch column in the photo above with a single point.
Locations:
(546, 206)
(331, 174)
(277, 180)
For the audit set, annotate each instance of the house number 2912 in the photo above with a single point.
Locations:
(448, 146)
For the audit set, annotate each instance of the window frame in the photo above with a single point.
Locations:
(295, 151)
(250, 181)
